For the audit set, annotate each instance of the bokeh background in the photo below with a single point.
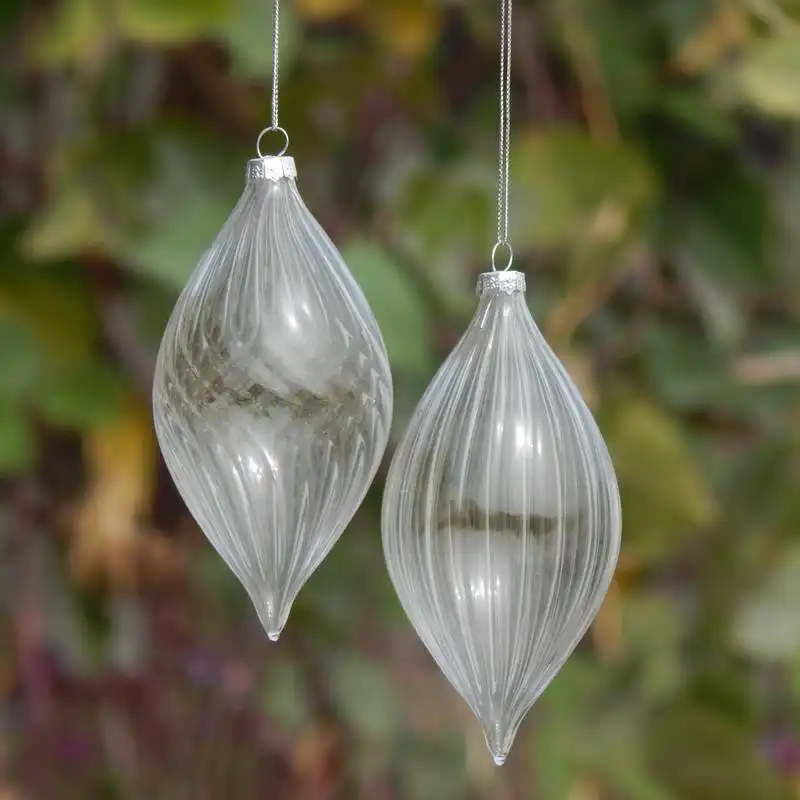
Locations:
(656, 211)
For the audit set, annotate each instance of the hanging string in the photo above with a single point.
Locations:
(274, 126)
(502, 243)
(276, 28)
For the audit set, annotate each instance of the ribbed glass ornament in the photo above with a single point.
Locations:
(501, 515)
(272, 395)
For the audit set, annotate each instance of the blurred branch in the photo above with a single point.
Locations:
(119, 325)
(540, 93)
(122, 337)
(228, 102)
(768, 368)
(595, 102)
(29, 624)
(120, 750)
(416, 273)
(578, 305)
(772, 14)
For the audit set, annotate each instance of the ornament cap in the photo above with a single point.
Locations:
(506, 282)
(270, 168)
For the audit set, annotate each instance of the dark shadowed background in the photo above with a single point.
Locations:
(656, 211)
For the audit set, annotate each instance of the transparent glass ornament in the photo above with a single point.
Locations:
(501, 514)
(272, 395)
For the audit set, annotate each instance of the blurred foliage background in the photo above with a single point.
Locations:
(656, 211)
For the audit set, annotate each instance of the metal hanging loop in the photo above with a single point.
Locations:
(509, 253)
(273, 129)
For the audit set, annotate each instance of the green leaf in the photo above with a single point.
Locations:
(171, 251)
(686, 374)
(564, 181)
(693, 109)
(619, 36)
(723, 226)
(720, 307)
(664, 495)
(285, 696)
(17, 439)
(654, 632)
(397, 307)
(70, 224)
(768, 625)
(21, 360)
(443, 218)
(228, 602)
(761, 485)
(364, 696)
(10, 12)
(446, 208)
(174, 21)
(57, 308)
(95, 195)
(84, 397)
(152, 303)
(767, 76)
(700, 754)
(76, 32)
(433, 767)
(245, 34)
(190, 195)
(790, 7)
(581, 731)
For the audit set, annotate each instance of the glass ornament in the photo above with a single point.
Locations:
(272, 395)
(501, 514)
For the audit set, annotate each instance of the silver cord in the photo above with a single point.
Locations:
(506, 28)
(274, 127)
(276, 27)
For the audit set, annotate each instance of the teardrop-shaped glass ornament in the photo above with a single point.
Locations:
(272, 395)
(501, 515)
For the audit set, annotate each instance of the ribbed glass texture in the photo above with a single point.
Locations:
(272, 395)
(501, 515)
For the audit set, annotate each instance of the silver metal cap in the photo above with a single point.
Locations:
(508, 282)
(270, 168)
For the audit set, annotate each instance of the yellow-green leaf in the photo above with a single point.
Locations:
(569, 187)
(398, 308)
(665, 497)
(364, 696)
(726, 27)
(89, 395)
(21, 360)
(244, 34)
(17, 439)
(407, 28)
(77, 31)
(69, 224)
(768, 625)
(174, 21)
(767, 76)
(59, 312)
(323, 10)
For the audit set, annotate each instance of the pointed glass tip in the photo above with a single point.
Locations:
(271, 615)
(499, 739)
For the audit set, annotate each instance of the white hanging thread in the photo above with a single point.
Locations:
(276, 29)
(274, 126)
(506, 29)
